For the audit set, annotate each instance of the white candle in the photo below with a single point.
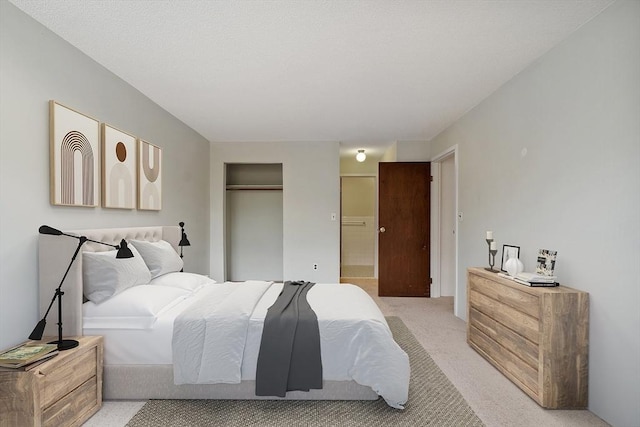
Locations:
(489, 235)
(493, 246)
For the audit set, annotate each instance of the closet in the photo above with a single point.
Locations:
(254, 222)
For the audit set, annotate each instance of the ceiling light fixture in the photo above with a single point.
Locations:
(361, 156)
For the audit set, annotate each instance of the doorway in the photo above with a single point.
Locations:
(447, 227)
(446, 217)
(357, 226)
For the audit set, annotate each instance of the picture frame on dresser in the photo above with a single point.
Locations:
(508, 251)
(546, 262)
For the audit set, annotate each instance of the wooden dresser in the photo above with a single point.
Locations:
(62, 391)
(537, 337)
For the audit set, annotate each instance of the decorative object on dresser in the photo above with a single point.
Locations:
(123, 252)
(531, 279)
(546, 262)
(62, 391)
(538, 337)
(493, 250)
(514, 266)
(183, 239)
(534, 279)
(509, 252)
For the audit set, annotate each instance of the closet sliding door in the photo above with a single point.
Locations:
(254, 222)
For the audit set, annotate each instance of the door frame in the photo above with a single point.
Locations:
(375, 216)
(436, 198)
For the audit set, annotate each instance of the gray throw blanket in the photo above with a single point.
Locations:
(289, 357)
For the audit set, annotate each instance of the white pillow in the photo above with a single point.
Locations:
(189, 281)
(104, 275)
(160, 257)
(134, 308)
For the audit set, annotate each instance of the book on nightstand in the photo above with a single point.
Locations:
(26, 354)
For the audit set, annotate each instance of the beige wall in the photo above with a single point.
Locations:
(350, 166)
(358, 196)
(391, 154)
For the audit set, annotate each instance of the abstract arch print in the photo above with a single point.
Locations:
(74, 157)
(118, 168)
(149, 176)
(74, 142)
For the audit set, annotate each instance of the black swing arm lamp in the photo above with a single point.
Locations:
(38, 331)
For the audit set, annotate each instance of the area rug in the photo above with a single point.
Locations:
(433, 401)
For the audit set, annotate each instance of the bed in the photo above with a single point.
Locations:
(139, 359)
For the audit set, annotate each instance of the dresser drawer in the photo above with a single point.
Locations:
(511, 365)
(65, 411)
(524, 349)
(63, 378)
(514, 298)
(521, 323)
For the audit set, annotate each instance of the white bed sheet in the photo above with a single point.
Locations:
(152, 346)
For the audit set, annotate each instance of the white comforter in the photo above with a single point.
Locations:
(217, 340)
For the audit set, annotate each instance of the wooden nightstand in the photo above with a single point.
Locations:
(63, 391)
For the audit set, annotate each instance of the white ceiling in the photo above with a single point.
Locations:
(365, 73)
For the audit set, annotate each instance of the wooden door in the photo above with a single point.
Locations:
(403, 234)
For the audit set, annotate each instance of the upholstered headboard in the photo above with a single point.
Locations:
(54, 255)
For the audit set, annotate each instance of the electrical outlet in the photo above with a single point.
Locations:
(315, 266)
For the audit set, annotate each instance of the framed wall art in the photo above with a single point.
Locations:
(118, 168)
(149, 176)
(509, 251)
(74, 141)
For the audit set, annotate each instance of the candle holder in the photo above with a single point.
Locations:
(492, 257)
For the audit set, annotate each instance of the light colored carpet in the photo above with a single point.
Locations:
(433, 400)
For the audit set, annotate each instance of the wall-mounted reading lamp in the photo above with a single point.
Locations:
(183, 239)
